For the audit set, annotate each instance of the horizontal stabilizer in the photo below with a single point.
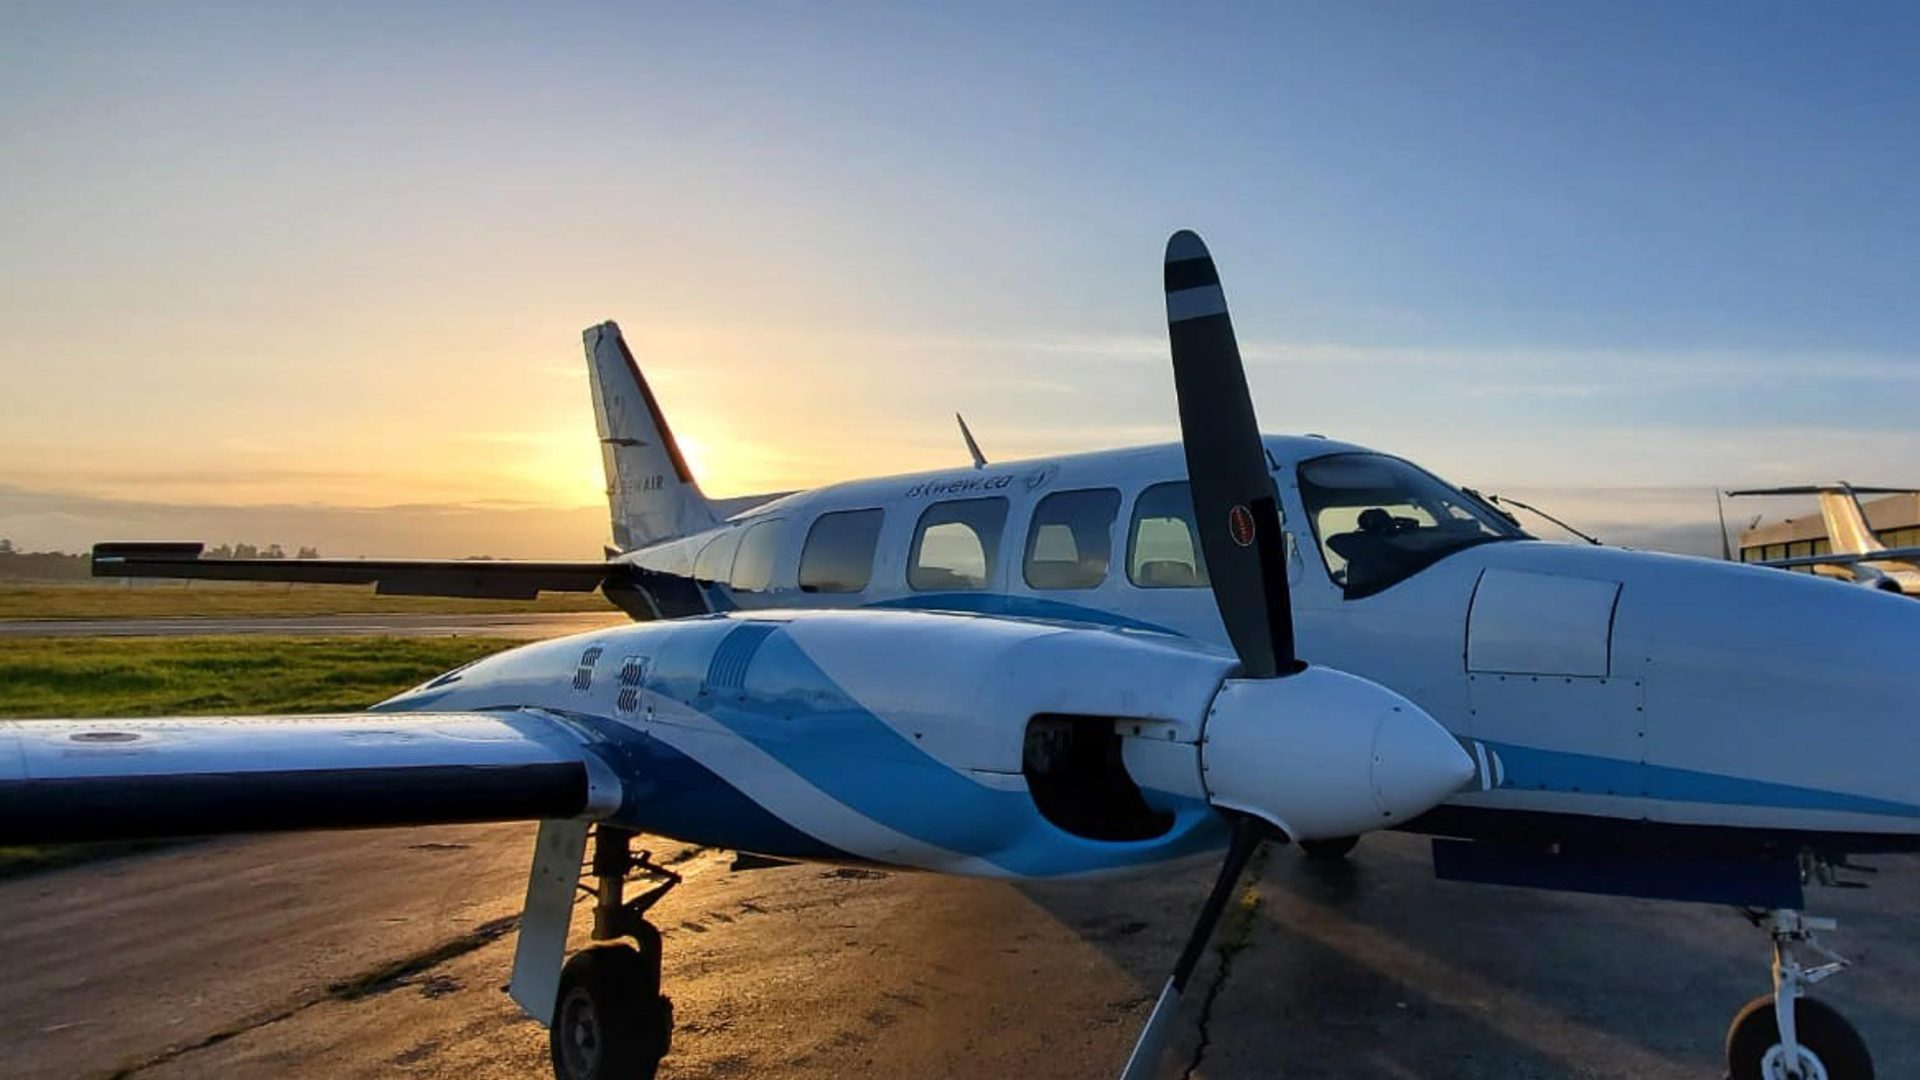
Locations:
(1909, 554)
(642, 593)
(74, 780)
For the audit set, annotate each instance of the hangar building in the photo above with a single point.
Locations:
(1895, 519)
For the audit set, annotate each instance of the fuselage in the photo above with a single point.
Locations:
(1621, 693)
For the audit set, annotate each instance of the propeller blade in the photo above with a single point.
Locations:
(1234, 503)
(1247, 834)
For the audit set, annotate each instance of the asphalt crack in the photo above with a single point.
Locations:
(1235, 936)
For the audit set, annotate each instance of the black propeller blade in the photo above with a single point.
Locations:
(1238, 516)
(1248, 832)
(1234, 504)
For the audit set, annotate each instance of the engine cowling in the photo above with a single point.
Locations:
(1324, 754)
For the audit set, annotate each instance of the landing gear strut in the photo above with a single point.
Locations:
(610, 1021)
(1786, 1035)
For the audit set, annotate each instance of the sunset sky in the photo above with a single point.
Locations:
(339, 256)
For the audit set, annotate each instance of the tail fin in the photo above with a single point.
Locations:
(1847, 528)
(650, 490)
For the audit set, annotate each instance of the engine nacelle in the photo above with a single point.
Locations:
(1324, 754)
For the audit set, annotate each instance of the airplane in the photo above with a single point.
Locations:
(1631, 723)
(1857, 552)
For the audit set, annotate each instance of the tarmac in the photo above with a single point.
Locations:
(381, 954)
(530, 626)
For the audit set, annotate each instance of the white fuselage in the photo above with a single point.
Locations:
(1595, 684)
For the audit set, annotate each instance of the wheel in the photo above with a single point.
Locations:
(610, 1021)
(1328, 851)
(1830, 1049)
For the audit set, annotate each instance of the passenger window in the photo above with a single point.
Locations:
(1070, 540)
(716, 559)
(1163, 549)
(839, 554)
(956, 545)
(753, 566)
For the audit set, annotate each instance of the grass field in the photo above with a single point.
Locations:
(110, 600)
(41, 677)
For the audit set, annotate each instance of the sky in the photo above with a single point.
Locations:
(320, 260)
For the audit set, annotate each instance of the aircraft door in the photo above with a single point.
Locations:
(1543, 689)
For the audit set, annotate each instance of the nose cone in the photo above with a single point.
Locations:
(1416, 764)
(1324, 754)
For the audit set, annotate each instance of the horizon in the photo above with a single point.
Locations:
(1680, 520)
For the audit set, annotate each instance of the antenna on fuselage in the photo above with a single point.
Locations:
(979, 459)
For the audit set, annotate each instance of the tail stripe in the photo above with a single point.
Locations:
(653, 408)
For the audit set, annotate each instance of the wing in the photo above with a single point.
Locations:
(1908, 554)
(1819, 489)
(71, 780)
(656, 594)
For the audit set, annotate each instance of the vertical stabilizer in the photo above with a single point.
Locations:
(1847, 528)
(650, 490)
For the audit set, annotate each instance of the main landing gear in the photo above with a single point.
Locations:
(1786, 1035)
(610, 1021)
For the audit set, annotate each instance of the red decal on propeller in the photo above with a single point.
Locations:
(1240, 525)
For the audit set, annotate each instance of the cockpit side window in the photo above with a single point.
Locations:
(956, 545)
(1163, 547)
(1380, 520)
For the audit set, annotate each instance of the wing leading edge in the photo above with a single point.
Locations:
(74, 780)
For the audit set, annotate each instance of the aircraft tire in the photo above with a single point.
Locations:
(1820, 1030)
(1328, 851)
(610, 1021)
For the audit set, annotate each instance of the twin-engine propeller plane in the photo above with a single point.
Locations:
(1077, 666)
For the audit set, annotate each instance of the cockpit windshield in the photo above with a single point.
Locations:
(1380, 520)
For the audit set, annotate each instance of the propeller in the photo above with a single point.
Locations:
(1287, 751)
(1234, 504)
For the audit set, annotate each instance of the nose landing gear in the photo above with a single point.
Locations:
(610, 1021)
(1786, 1035)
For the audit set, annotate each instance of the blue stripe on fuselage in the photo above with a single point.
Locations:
(1019, 607)
(1531, 768)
